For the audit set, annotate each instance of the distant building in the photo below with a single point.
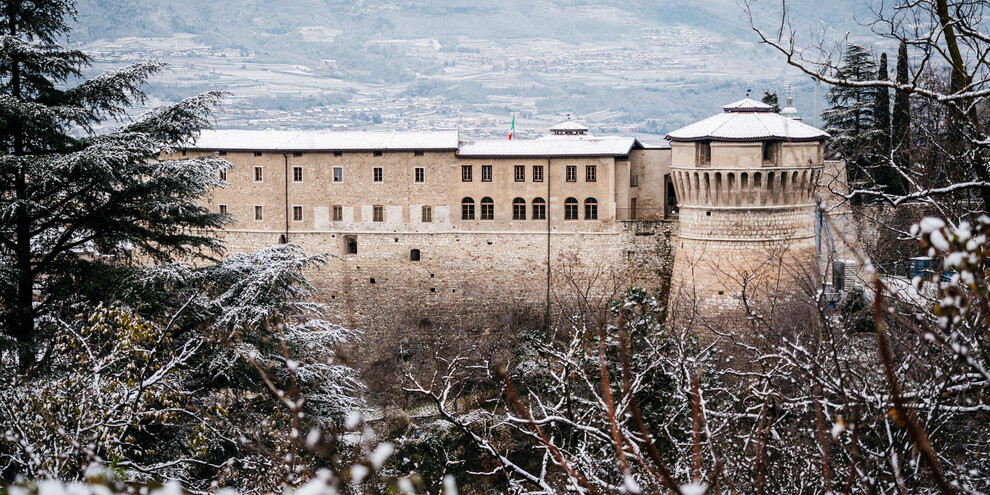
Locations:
(747, 182)
(427, 226)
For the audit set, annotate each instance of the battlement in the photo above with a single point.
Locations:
(764, 187)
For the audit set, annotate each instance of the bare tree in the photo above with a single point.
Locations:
(943, 38)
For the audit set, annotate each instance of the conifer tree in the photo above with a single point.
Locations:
(76, 205)
(881, 110)
(772, 100)
(849, 117)
(900, 124)
(886, 176)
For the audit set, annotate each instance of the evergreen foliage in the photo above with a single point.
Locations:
(885, 174)
(771, 99)
(850, 118)
(77, 206)
(900, 124)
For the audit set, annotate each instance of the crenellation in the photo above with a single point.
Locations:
(747, 231)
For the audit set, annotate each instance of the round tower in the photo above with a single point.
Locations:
(745, 181)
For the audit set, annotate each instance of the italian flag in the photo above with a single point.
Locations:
(512, 130)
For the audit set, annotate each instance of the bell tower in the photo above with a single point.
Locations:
(745, 181)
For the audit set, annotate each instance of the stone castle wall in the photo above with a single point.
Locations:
(468, 284)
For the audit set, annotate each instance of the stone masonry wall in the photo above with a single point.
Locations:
(466, 285)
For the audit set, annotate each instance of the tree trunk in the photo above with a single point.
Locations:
(23, 317)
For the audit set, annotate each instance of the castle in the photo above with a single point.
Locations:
(426, 226)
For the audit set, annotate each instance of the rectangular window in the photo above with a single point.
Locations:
(465, 173)
(258, 174)
(571, 173)
(770, 152)
(222, 153)
(377, 153)
(591, 210)
(338, 174)
(467, 210)
(704, 153)
(297, 153)
(427, 213)
(419, 174)
(632, 208)
(338, 153)
(338, 213)
(377, 174)
(633, 180)
(378, 213)
(539, 210)
(486, 173)
(223, 209)
(590, 173)
(520, 173)
(487, 210)
(537, 173)
(223, 174)
(418, 153)
(259, 213)
(257, 153)
(297, 213)
(296, 174)
(570, 210)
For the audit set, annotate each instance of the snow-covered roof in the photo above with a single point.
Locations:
(550, 146)
(569, 127)
(747, 105)
(747, 120)
(325, 141)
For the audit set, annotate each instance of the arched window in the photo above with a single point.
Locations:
(518, 209)
(571, 209)
(590, 209)
(539, 209)
(487, 208)
(467, 209)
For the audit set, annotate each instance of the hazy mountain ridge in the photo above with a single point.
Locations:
(626, 61)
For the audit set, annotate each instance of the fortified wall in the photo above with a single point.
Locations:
(748, 181)
(431, 235)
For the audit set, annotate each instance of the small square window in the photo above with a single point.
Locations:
(520, 173)
(259, 213)
(377, 153)
(427, 214)
(338, 153)
(257, 153)
(486, 173)
(222, 153)
(297, 153)
(465, 173)
(571, 173)
(297, 213)
(419, 174)
(297, 174)
(338, 213)
(377, 174)
(418, 153)
(223, 209)
(537, 173)
(590, 173)
(378, 213)
(183, 152)
(338, 174)
(258, 174)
